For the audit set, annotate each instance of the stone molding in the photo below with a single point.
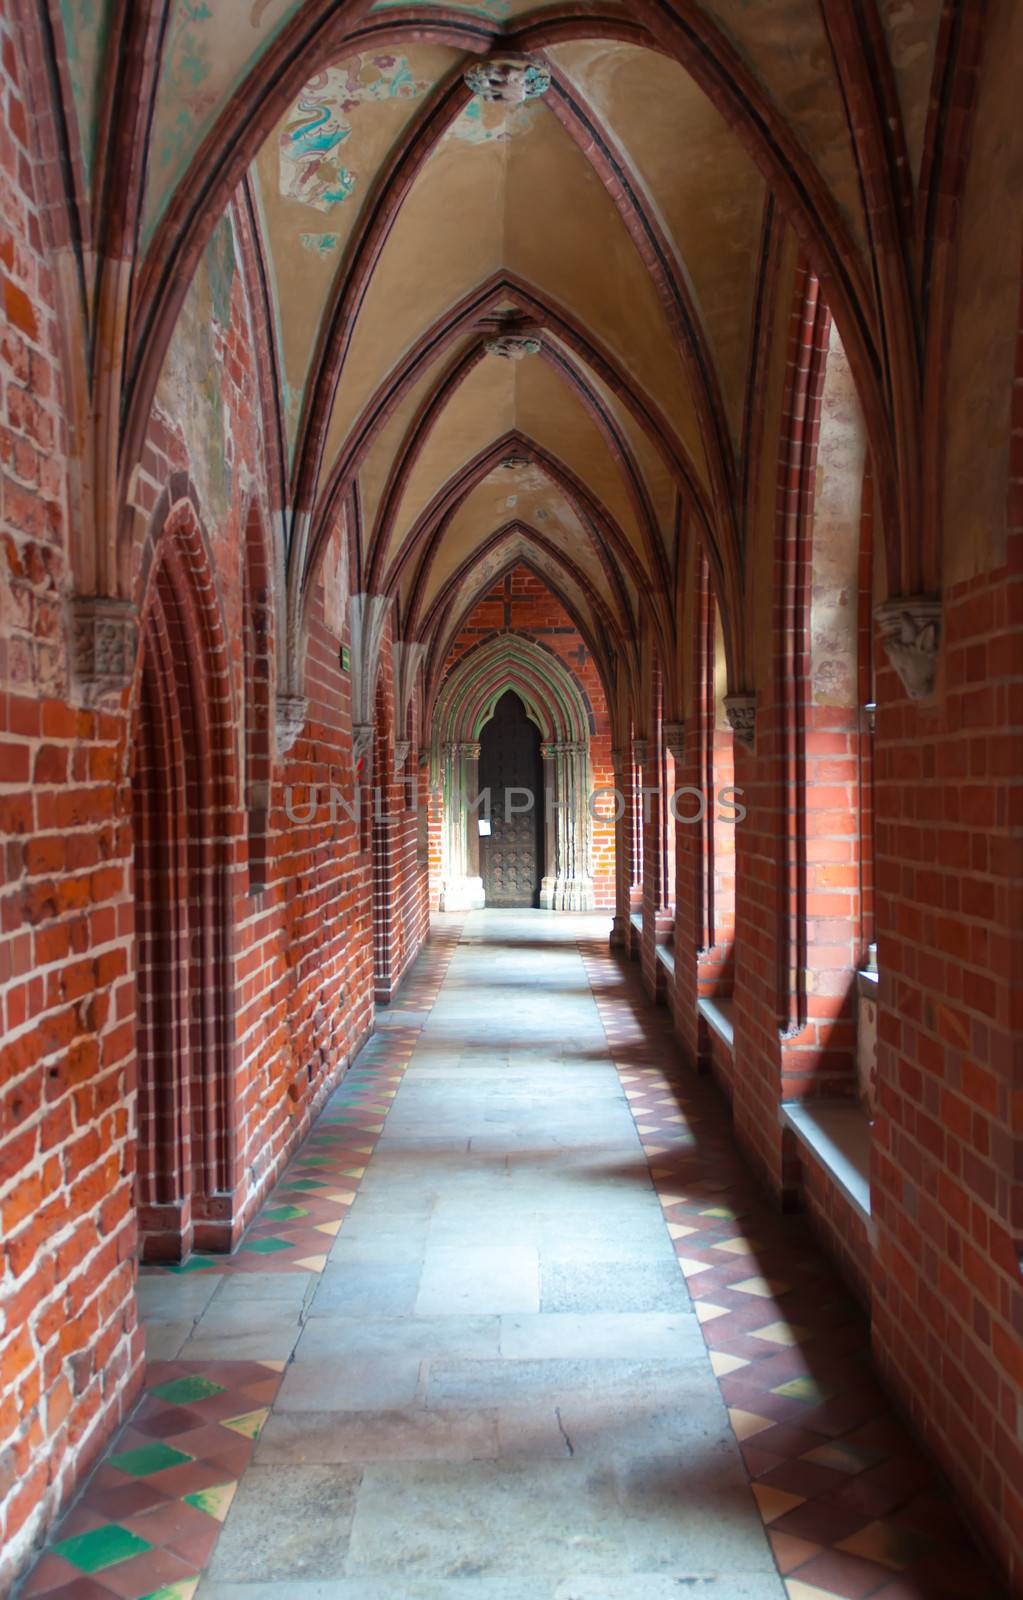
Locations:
(910, 629)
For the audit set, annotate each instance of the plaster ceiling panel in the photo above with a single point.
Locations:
(911, 30)
(563, 233)
(379, 459)
(480, 411)
(700, 184)
(86, 25)
(549, 412)
(431, 260)
(315, 174)
(656, 474)
(524, 494)
(209, 48)
(785, 45)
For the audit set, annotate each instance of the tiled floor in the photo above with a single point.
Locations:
(472, 1369)
(851, 1507)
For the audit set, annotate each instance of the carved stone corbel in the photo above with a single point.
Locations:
(910, 629)
(104, 638)
(640, 751)
(291, 712)
(675, 739)
(741, 711)
(362, 744)
(401, 753)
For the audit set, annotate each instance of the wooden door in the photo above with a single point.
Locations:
(511, 858)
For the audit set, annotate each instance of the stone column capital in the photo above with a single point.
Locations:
(910, 629)
(291, 712)
(741, 711)
(104, 636)
(640, 750)
(675, 739)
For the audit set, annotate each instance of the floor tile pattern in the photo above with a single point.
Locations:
(150, 1514)
(851, 1507)
(146, 1523)
(306, 1207)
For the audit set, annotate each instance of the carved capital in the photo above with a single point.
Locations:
(104, 641)
(291, 714)
(620, 758)
(741, 711)
(508, 80)
(910, 629)
(362, 744)
(640, 751)
(675, 739)
(401, 753)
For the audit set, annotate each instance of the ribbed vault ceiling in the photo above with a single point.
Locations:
(622, 220)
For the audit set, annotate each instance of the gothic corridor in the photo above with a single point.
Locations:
(511, 799)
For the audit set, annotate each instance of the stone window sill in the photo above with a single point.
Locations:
(718, 1014)
(837, 1135)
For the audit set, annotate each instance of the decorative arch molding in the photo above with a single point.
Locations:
(185, 780)
(559, 708)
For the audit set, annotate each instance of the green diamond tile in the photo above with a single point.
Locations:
(194, 1264)
(182, 1391)
(266, 1247)
(284, 1213)
(101, 1547)
(304, 1183)
(148, 1459)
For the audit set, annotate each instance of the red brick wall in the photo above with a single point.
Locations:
(295, 977)
(948, 1140)
(521, 603)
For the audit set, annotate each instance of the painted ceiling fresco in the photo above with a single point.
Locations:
(561, 273)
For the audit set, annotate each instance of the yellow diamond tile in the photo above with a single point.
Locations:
(782, 1333)
(341, 1197)
(249, 1424)
(707, 1311)
(736, 1247)
(722, 1364)
(774, 1503)
(646, 1127)
(790, 1552)
(312, 1263)
(672, 1199)
(330, 1228)
(764, 1287)
(678, 1230)
(274, 1366)
(692, 1269)
(745, 1424)
(807, 1591)
(654, 1150)
(352, 1172)
(216, 1501)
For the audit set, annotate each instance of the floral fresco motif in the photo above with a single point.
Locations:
(484, 121)
(312, 167)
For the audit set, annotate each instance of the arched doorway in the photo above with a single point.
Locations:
(511, 769)
(556, 706)
(185, 1163)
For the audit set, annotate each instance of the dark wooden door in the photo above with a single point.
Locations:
(511, 858)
